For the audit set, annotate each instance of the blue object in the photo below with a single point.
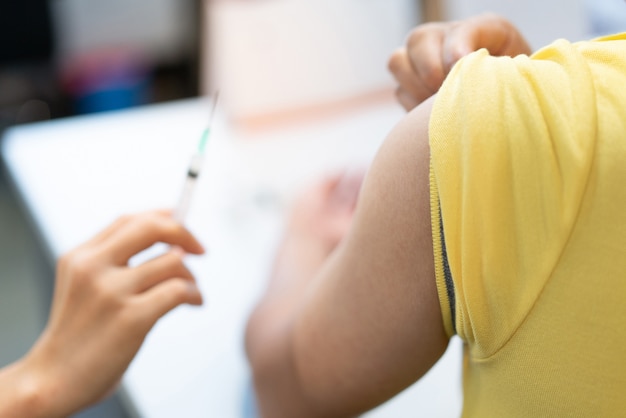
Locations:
(113, 97)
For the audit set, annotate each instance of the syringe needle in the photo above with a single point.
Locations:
(194, 170)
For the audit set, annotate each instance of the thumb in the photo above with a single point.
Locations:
(460, 41)
(489, 31)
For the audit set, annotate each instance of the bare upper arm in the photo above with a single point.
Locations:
(372, 325)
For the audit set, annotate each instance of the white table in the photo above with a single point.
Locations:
(76, 175)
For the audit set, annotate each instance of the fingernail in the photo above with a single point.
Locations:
(195, 294)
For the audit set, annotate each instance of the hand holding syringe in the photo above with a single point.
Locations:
(194, 170)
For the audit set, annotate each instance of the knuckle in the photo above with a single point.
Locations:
(179, 291)
(107, 294)
(174, 266)
(417, 35)
(175, 258)
(395, 60)
(145, 220)
(80, 265)
(159, 226)
(432, 76)
(123, 219)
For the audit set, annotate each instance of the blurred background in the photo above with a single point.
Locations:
(273, 61)
(66, 57)
(60, 58)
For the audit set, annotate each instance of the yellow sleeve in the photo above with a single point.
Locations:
(512, 143)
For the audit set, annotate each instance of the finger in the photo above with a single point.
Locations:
(406, 100)
(326, 187)
(497, 34)
(425, 53)
(347, 190)
(339, 226)
(157, 270)
(106, 232)
(165, 296)
(489, 31)
(404, 73)
(117, 224)
(144, 230)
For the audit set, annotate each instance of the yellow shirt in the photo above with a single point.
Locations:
(528, 195)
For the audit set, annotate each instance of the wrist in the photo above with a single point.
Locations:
(33, 390)
(42, 381)
(25, 392)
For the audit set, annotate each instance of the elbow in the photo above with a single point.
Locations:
(275, 388)
(278, 390)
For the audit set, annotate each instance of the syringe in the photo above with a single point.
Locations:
(194, 170)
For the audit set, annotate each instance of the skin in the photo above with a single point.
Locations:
(350, 317)
(101, 312)
(348, 322)
(346, 325)
(432, 49)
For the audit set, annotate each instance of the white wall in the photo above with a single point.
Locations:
(541, 21)
(156, 27)
(275, 55)
(606, 16)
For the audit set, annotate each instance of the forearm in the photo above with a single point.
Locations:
(24, 393)
(269, 333)
(102, 310)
